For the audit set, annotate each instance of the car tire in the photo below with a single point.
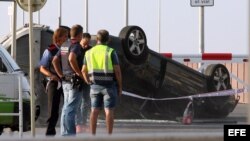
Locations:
(1, 130)
(219, 79)
(26, 118)
(134, 44)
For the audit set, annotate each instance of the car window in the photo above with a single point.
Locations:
(183, 81)
(2, 66)
(155, 62)
(154, 69)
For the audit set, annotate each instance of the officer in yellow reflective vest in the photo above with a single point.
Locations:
(101, 70)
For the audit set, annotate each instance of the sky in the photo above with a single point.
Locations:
(226, 23)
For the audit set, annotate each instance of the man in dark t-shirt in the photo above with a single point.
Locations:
(84, 106)
(72, 79)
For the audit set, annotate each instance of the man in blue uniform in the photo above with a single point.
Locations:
(53, 90)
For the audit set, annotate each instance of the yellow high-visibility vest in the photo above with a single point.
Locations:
(99, 64)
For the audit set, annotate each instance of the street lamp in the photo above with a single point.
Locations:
(36, 4)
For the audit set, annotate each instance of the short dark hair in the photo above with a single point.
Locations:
(103, 36)
(76, 30)
(86, 35)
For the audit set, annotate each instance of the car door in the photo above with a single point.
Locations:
(7, 91)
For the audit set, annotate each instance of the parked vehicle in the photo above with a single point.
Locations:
(9, 90)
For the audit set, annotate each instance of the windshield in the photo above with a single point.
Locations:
(9, 59)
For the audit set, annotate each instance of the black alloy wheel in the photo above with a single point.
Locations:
(134, 44)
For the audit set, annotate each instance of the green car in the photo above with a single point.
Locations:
(10, 73)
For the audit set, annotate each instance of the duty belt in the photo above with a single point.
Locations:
(67, 77)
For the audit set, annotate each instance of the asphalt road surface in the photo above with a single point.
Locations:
(128, 128)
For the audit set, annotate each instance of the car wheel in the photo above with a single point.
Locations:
(1, 130)
(26, 126)
(219, 79)
(38, 109)
(134, 44)
(26, 117)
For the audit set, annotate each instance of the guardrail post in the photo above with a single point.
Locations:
(20, 106)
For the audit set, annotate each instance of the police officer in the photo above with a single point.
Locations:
(101, 69)
(71, 57)
(53, 90)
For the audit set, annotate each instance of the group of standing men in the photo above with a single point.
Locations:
(85, 73)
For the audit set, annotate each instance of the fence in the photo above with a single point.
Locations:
(20, 112)
(237, 66)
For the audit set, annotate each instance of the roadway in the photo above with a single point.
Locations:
(205, 129)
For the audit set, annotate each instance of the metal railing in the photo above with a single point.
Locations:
(237, 72)
(20, 111)
(232, 61)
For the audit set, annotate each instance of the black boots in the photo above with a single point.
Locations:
(50, 132)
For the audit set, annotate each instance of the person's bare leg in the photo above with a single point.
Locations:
(93, 120)
(109, 120)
